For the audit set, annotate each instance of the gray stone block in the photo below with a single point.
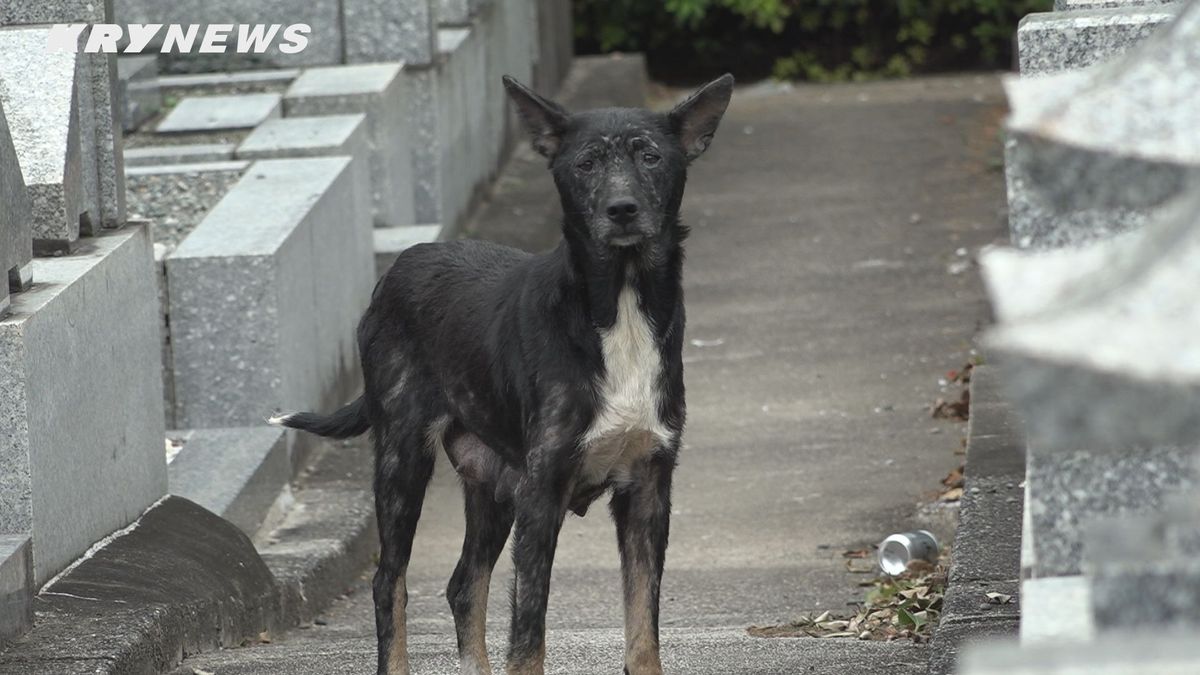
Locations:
(1144, 571)
(426, 149)
(390, 242)
(1035, 222)
(459, 86)
(1069, 490)
(110, 167)
(1121, 138)
(1053, 41)
(191, 153)
(1137, 653)
(389, 30)
(40, 92)
(1056, 610)
(55, 11)
(1097, 339)
(88, 328)
(213, 113)
(556, 45)
(101, 137)
(264, 302)
(16, 219)
(1066, 5)
(16, 586)
(453, 12)
(323, 16)
(307, 137)
(237, 473)
(327, 135)
(383, 93)
(139, 95)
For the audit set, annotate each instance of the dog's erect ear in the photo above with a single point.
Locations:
(696, 119)
(545, 120)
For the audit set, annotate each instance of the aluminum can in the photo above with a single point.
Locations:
(898, 550)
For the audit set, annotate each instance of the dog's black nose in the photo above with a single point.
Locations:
(622, 211)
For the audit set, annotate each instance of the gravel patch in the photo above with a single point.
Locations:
(175, 203)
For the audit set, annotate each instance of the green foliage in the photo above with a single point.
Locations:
(821, 40)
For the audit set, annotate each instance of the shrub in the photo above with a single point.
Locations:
(822, 40)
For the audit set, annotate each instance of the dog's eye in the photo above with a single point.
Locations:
(586, 165)
(650, 159)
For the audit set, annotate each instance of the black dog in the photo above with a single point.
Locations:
(547, 379)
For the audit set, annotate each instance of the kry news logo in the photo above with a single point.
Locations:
(217, 38)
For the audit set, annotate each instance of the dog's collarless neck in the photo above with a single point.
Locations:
(653, 276)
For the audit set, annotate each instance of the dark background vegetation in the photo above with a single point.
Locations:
(816, 40)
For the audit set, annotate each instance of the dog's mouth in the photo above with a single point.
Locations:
(626, 240)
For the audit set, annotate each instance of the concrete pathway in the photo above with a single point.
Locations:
(826, 294)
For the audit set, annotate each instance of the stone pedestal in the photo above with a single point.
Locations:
(264, 302)
(80, 399)
(383, 93)
(390, 30)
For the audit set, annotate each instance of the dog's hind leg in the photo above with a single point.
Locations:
(642, 511)
(488, 525)
(403, 467)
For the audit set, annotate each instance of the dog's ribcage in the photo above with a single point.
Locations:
(627, 425)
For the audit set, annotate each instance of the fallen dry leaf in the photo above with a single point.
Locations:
(953, 410)
(951, 495)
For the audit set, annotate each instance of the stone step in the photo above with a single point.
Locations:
(307, 137)
(237, 473)
(16, 586)
(214, 113)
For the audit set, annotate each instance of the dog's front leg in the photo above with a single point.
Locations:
(540, 507)
(642, 511)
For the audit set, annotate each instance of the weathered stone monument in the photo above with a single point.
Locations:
(1056, 45)
(81, 432)
(1097, 339)
(101, 124)
(43, 93)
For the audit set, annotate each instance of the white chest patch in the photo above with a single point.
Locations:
(627, 425)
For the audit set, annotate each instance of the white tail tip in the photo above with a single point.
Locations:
(279, 419)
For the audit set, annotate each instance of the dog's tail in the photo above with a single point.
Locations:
(351, 420)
